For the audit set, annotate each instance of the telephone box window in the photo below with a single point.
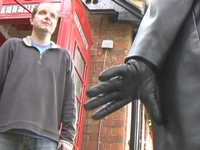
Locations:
(79, 62)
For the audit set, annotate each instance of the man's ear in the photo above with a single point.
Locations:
(31, 20)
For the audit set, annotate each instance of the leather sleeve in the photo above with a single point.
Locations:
(158, 30)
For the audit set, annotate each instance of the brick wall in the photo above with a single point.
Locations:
(112, 129)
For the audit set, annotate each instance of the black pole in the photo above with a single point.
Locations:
(135, 125)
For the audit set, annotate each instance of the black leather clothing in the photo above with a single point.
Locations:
(168, 38)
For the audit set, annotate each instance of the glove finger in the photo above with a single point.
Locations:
(105, 87)
(101, 99)
(114, 71)
(108, 109)
(153, 108)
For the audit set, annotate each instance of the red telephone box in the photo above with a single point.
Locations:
(72, 33)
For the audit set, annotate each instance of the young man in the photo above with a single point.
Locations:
(166, 51)
(37, 89)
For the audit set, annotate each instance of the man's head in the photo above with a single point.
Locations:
(44, 18)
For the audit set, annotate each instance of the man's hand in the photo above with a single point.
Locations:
(64, 146)
(121, 85)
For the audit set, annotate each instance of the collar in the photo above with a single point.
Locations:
(27, 41)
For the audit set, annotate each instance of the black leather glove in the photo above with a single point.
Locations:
(121, 85)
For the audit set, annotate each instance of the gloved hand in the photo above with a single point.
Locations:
(121, 85)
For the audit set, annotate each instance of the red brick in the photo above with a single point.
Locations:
(113, 127)
(118, 131)
(117, 147)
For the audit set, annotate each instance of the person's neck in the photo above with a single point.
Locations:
(41, 39)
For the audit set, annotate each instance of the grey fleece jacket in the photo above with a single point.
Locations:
(37, 91)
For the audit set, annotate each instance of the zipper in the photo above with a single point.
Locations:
(40, 59)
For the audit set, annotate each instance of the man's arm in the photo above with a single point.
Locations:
(158, 30)
(5, 60)
(69, 113)
(137, 78)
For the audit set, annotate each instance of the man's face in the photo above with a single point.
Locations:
(45, 20)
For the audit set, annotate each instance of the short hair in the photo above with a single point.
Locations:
(35, 9)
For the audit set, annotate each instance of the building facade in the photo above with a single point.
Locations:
(125, 129)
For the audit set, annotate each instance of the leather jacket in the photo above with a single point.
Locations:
(168, 38)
